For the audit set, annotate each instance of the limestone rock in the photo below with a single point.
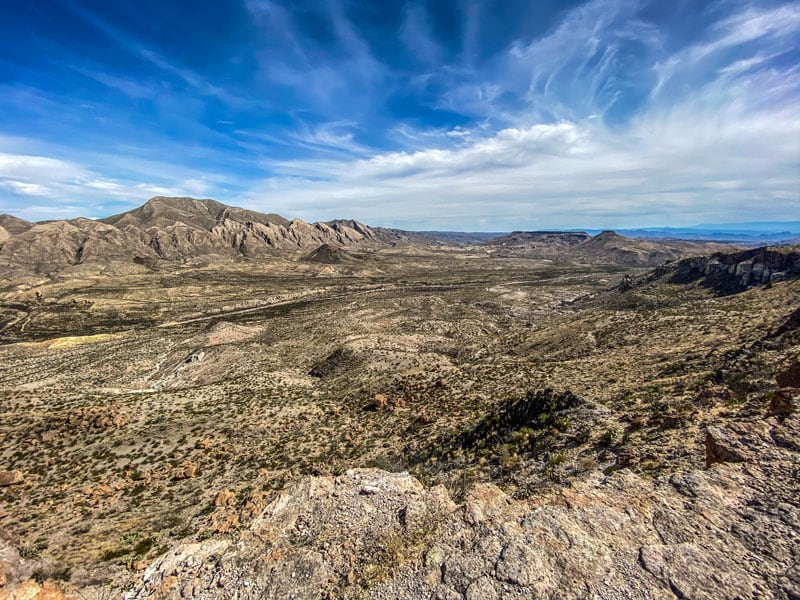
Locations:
(32, 590)
(722, 448)
(185, 470)
(724, 532)
(379, 402)
(313, 536)
(225, 498)
(693, 572)
(16, 574)
(11, 477)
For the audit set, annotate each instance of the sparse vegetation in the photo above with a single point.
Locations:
(133, 407)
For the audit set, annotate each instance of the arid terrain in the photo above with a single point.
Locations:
(243, 406)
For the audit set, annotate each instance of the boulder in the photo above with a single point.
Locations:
(721, 447)
(790, 376)
(11, 477)
(225, 498)
(186, 470)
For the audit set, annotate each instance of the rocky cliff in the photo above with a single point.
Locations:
(733, 272)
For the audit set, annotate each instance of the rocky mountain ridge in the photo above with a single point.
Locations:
(192, 230)
(174, 229)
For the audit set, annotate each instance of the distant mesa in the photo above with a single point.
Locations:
(528, 239)
(607, 247)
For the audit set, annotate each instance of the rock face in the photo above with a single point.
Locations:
(722, 447)
(730, 273)
(729, 531)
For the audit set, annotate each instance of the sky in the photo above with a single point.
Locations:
(470, 115)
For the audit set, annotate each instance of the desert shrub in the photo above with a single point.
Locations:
(608, 437)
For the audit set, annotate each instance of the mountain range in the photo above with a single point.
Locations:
(173, 229)
(204, 231)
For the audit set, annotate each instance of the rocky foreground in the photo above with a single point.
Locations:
(731, 530)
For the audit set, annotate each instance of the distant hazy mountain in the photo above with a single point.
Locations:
(760, 226)
(555, 240)
(760, 232)
(607, 247)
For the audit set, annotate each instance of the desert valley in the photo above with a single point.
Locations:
(201, 401)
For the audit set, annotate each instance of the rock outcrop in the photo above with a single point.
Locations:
(733, 272)
(24, 579)
(729, 531)
(11, 477)
(321, 533)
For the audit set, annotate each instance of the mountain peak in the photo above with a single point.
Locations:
(14, 225)
(606, 235)
(164, 211)
(173, 228)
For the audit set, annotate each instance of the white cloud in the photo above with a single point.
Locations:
(716, 136)
(709, 158)
(72, 189)
(25, 167)
(25, 189)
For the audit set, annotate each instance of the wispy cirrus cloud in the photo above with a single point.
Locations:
(415, 113)
(726, 149)
(29, 179)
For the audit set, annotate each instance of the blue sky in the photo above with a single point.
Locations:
(462, 114)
